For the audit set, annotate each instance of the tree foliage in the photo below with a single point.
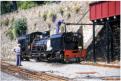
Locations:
(26, 4)
(10, 6)
(6, 7)
(17, 28)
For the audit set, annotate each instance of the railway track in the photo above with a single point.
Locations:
(29, 75)
(101, 65)
(42, 76)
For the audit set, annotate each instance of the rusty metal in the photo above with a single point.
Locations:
(107, 78)
(111, 78)
(101, 65)
(33, 75)
(86, 72)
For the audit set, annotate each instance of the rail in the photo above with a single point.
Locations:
(32, 75)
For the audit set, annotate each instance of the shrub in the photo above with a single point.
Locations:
(17, 28)
(61, 11)
(68, 15)
(20, 25)
(49, 25)
(10, 34)
(44, 16)
(5, 22)
(77, 8)
(6, 7)
(52, 16)
(27, 4)
(62, 28)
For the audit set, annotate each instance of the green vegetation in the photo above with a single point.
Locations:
(77, 8)
(68, 15)
(44, 16)
(62, 28)
(52, 16)
(17, 28)
(10, 6)
(6, 7)
(26, 4)
(49, 25)
(5, 22)
(10, 34)
(61, 11)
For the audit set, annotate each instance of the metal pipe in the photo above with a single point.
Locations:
(81, 23)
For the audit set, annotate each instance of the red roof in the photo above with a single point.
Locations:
(104, 9)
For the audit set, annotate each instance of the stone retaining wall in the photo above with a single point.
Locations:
(36, 23)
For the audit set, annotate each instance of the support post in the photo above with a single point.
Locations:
(112, 49)
(82, 38)
(107, 39)
(65, 27)
(111, 43)
(94, 55)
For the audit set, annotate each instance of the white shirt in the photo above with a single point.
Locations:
(17, 50)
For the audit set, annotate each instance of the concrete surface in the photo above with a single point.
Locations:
(72, 71)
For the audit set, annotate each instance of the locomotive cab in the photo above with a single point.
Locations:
(67, 46)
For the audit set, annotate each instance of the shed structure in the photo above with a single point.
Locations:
(108, 14)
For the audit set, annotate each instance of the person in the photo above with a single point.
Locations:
(17, 50)
(58, 24)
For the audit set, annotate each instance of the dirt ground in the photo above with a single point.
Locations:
(75, 72)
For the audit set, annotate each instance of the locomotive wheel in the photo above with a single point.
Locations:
(37, 59)
(27, 59)
(61, 56)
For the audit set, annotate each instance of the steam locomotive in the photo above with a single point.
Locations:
(61, 47)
